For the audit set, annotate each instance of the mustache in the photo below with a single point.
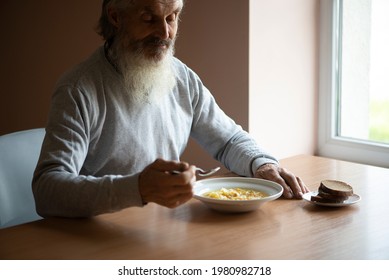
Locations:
(156, 42)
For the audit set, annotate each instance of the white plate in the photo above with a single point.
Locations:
(351, 200)
(201, 187)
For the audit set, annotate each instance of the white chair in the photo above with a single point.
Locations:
(19, 154)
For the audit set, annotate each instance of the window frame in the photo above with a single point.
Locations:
(329, 143)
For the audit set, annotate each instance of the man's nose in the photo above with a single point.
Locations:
(162, 30)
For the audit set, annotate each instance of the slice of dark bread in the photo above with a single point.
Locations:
(337, 188)
(319, 198)
(323, 193)
(332, 191)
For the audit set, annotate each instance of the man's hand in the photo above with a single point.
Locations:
(293, 185)
(158, 184)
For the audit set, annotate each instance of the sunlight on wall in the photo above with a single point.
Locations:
(284, 75)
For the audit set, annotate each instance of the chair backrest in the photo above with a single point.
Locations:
(19, 154)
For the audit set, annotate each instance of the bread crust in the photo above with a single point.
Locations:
(319, 198)
(337, 188)
(327, 195)
(332, 191)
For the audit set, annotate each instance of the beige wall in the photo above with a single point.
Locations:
(45, 38)
(284, 75)
(41, 39)
(213, 41)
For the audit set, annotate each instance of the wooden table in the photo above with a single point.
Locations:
(281, 229)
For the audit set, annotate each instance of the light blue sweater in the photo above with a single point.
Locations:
(97, 142)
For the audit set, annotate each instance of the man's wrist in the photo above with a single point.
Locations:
(261, 161)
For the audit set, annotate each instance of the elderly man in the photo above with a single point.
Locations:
(120, 120)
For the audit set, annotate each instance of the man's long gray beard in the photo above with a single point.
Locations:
(146, 80)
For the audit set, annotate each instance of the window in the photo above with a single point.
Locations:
(354, 87)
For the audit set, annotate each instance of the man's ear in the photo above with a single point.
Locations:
(113, 16)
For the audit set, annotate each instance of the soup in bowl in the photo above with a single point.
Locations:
(236, 194)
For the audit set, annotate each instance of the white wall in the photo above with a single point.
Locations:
(284, 75)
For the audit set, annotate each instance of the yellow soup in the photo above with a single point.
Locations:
(236, 194)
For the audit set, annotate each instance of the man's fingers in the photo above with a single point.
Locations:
(293, 185)
(158, 184)
(169, 166)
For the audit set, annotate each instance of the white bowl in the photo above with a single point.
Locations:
(201, 187)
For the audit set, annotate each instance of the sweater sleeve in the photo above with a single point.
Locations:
(58, 186)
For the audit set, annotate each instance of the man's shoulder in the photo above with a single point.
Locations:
(183, 70)
(91, 69)
(178, 64)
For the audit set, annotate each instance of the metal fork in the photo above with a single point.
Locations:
(201, 172)
(209, 172)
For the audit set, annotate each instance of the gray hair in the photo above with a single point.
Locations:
(104, 27)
